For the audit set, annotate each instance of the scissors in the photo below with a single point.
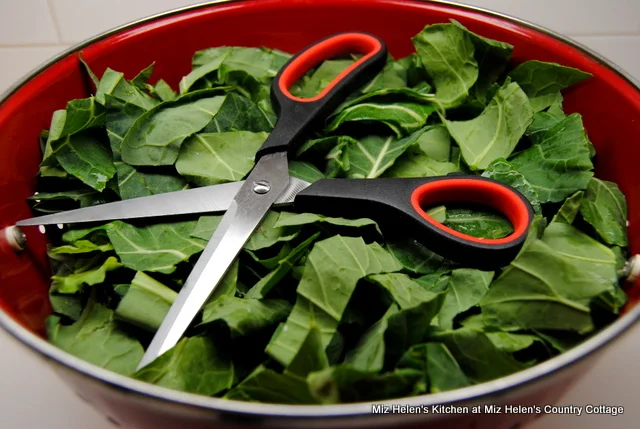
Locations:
(396, 203)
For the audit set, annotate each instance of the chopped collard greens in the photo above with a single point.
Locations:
(318, 309)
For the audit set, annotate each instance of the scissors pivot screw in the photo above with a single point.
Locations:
(261, 187)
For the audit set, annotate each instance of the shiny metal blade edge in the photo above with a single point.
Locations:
(209, 199)
(245, 214)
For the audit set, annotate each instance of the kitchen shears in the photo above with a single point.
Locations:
(397, 204)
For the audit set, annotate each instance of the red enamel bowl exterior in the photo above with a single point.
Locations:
(609, 103)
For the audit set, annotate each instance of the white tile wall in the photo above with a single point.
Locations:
(81, 19)
(572, 17)
(31, 31)
(24, 22)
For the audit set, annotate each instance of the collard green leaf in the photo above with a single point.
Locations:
(542, 122)
(80, 246)
(491, 56)
(92, 75)
(289, 336)
(543, 289)
(605, 208)
(271, 262)
(447, 52)
(559, 340)
(443, 369)
(134, 182)
(156, 247)
(88, 274)
(213, 158)
(369, 353)
(156, 136)
(305, 171)
(503, 171)
(496, 132)
(287, 219)
(238, 113)
(335, 265)
(268, 234)
(395, 75)
(328, 154)
(162, 90)
(613, 300)
(402, 118)
(52, 202)
(205, 67)
(284, 266)
(592, 257)
(228, 285)
(146, 302)
(478, 223)
(434, 142)
(113, 83)
(541, 81)
(245, 315)
(267, 386)
(331, 273)
(311, 356)
(418, 165)
(310, 86)
(85, 157)
(70, 306)
(478, 357)
(388, 96)
(405, 291)
(343, 384)
(97, 235)
(439, 213)
(411, 70)
(319, 148)
(97, 339)
(558, 164)
(416, 258)
(569, 209)
(79, 115)
(140, 80)
(511, 342)
(205, 227)
(436, 282)
(261, 63)
(465, 290)
(556, 107)
(373, 155)
(403, 325)
(194, 365)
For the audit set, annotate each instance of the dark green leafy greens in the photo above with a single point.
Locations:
(320, 309)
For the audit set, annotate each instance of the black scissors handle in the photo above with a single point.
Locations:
(297, 116)
(399, 206)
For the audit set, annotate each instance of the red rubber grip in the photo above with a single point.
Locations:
(481, 192)
(327, 49)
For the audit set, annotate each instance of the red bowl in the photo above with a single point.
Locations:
(609, 104)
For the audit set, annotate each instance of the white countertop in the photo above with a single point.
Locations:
(33, 397)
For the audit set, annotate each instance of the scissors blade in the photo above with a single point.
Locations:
(244, 215)
(198, 200)
(210, 199)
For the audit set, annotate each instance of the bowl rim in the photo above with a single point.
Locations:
(285, 412)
